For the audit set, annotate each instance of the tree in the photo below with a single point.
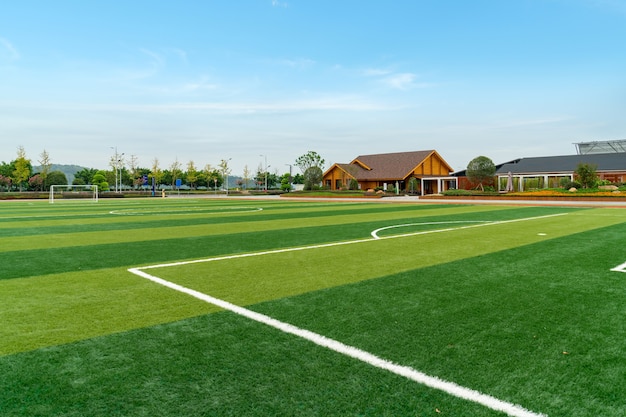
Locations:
(480, 169)
(175, 171)
(587, 175)
(246, 177)
(298, 179)
(192, 175)
(225, 170)
(100, 180)
(45, 164)
(212, 176)
(55, 178)
(413, 185)
(309, 160)
(35, 182)
(134, 172)
(85, 175)
(23, 168)
(285, 182)
(156, 172)
(5, 182)
(312, 177)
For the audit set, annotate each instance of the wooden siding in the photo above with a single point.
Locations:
(420, 164)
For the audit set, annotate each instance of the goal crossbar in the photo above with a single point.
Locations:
(58, 191)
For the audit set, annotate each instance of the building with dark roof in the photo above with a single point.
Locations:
(549, 171)
(431, 172)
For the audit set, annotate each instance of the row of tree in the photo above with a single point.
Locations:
(19, 175)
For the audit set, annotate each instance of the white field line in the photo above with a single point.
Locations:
(184, 211)
(347, 242)
(620, 268)
(375, 232)
(373, 360)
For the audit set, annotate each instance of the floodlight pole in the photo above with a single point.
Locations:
(226, 172)
(117, 159)
(265, 171)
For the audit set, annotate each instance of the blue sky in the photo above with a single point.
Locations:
(210, 80)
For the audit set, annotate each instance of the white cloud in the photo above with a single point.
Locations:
(8, 51)
(202, 85)
(394, 80)
(157, 60)
(277, 3)
(404, 81)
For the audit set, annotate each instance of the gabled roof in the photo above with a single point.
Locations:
(388, 166)
(563, 164)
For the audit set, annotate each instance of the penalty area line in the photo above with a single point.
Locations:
(450, 388)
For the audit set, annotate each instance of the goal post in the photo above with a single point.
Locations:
(73, 192)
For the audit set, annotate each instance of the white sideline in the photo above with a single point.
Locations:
(373, 360)
(353, 352)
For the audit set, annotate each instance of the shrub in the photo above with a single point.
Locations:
(571, 184)
(457, 192)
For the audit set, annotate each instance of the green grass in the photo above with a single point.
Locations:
(525, 311)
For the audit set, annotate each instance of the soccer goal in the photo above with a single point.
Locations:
(73, 192)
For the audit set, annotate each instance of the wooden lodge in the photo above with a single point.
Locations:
(419, 172)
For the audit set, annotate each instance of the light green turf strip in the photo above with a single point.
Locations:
(104, 216)
(56, 309)
(143, 209)
(59, 240)
(250, 280)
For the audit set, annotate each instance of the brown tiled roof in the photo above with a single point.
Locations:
(387, 166)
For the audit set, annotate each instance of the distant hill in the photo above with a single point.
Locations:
(69, 170)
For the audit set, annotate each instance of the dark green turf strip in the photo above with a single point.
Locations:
(217, 365)
(120, 222)
(541, 325)
(18, 264)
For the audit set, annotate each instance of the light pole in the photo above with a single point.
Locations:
(117, 159)
(265, 156)
(226, 172)
(119, 168)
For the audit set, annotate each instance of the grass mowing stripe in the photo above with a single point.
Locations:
(70, 387)
(50, 310)
(200, 243)
(279, 266)
(405, 371)
(616, 231)
(516, 323)
(211, 224)
(217, 365)
(120, 233)
(267, 277)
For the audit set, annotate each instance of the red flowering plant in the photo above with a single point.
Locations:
(5, 182)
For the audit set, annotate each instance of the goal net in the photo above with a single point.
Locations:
(73, 192)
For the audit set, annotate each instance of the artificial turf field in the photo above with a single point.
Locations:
(323, 308)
